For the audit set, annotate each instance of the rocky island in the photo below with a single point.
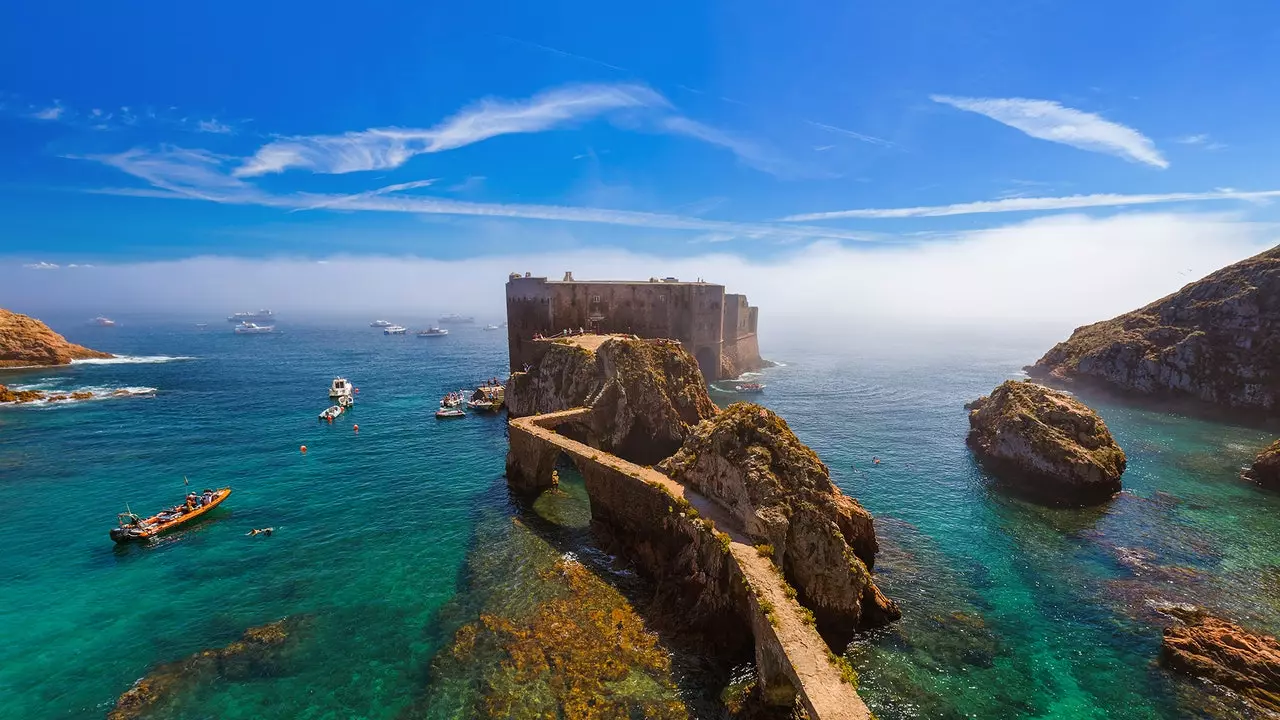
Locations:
(1045, 444)
(727, 511)
(27, 342)
(1214, 341)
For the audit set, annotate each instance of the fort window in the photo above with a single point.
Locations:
(595, 298)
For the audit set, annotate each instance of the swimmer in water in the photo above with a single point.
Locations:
(261, 531)
(875, 460)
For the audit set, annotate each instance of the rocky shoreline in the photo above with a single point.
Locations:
(26, 342)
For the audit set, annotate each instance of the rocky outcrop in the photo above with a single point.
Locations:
(1215, 340)
(750, 462)
(1266, 467)
(1224, 653)
(1045, 444)
(255, 654)
(644, 395)
(25, 342)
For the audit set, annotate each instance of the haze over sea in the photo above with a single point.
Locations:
(383, 536)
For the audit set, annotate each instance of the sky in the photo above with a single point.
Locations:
(1029, 158)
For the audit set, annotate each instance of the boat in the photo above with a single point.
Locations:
(242, 317)
(748, 388)
(451, 400)
(395, 330)
(248, 328)
(484, 405)
(341, 393)
(101, 321)
(380, 324)
(449, 413)
(202, 326)
(433, 332)
(456, 318)
(331, 412)
(135, 529)
(491, 327)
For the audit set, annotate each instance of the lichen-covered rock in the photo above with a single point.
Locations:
(748, 460)
(25, 341)
(253, 655)
(645, 395)
(1266, 467)
(1215, 340)
(1046, 444)
(19, 396)
(1224, 653)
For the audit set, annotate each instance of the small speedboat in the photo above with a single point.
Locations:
(395, 330)
(748, 388)
(449, 413)
(135, 529)
(433, 332)
(452, 400)
(331, 412)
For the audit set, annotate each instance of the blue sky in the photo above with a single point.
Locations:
(140, 132)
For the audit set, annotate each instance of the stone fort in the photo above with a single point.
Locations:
(717, 328)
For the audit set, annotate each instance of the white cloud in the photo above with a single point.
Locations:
(52, 112)
(41, 266)
(213, 126)
(750, 153)
(383, 148)
(1025, 204)
(850, 133)
(1066, 269)
(1048, 120)
(1203, 140)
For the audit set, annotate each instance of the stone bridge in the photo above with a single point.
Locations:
(792, 659)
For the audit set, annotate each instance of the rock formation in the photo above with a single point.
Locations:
(255, 654)
(25, 341)
(1266, 467)
(1214, 340)
(748, 460)
(1224, 653)
(645, 395)
(1045, 444)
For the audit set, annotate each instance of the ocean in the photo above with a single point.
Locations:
(389, 539)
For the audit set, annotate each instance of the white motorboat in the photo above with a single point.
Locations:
(248, 328)
(380, 324)
(101, 321)
(395, 330)
(447, 413)
(341, 393)
(331, 412)
(433, 332)
(491, 327)
(483, 405)
(251, 317)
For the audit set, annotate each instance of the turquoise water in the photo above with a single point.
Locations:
(390, 537)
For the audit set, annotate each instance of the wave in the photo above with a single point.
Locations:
(132, 360)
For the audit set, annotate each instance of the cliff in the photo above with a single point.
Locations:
(645, 395)
(1226, 654)
(750, 462)
(1215, 340)
(1045, 444)
(1266, 467)
(25, 341)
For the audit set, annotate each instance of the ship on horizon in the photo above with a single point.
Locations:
(456, 318)
(251, 317)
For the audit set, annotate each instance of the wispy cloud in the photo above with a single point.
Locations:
(749, 152)
(1024, 204)
(850, 133)
(1202, 139)
(53, 112)
(1048, 120)
(41, 266)
(382, 148)
(179, 173)
(213, 126)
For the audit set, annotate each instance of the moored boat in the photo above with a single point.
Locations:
(395, 330)
(448, 413)
(132, 528)
(433, 332)
(331, 412)
(451, 400)
(248, 328)
(341, 393)
(748, 388)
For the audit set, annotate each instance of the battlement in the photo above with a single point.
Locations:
(718, 329)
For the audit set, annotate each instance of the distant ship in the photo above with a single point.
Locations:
(455, 318)
(490, 327)
(103, 321)
(251, 317)
(381, 323)
(394, 330)
(248, 328)
(433, 332)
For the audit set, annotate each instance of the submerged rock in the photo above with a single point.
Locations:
(1045, 444)
(1266, 467)
(748, 460)
(1214, 340)
(25, 341)
(645, 395)
(19, 396)
(253, 655)
(1224, 653)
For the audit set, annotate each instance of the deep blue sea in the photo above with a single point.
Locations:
(384, 535)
